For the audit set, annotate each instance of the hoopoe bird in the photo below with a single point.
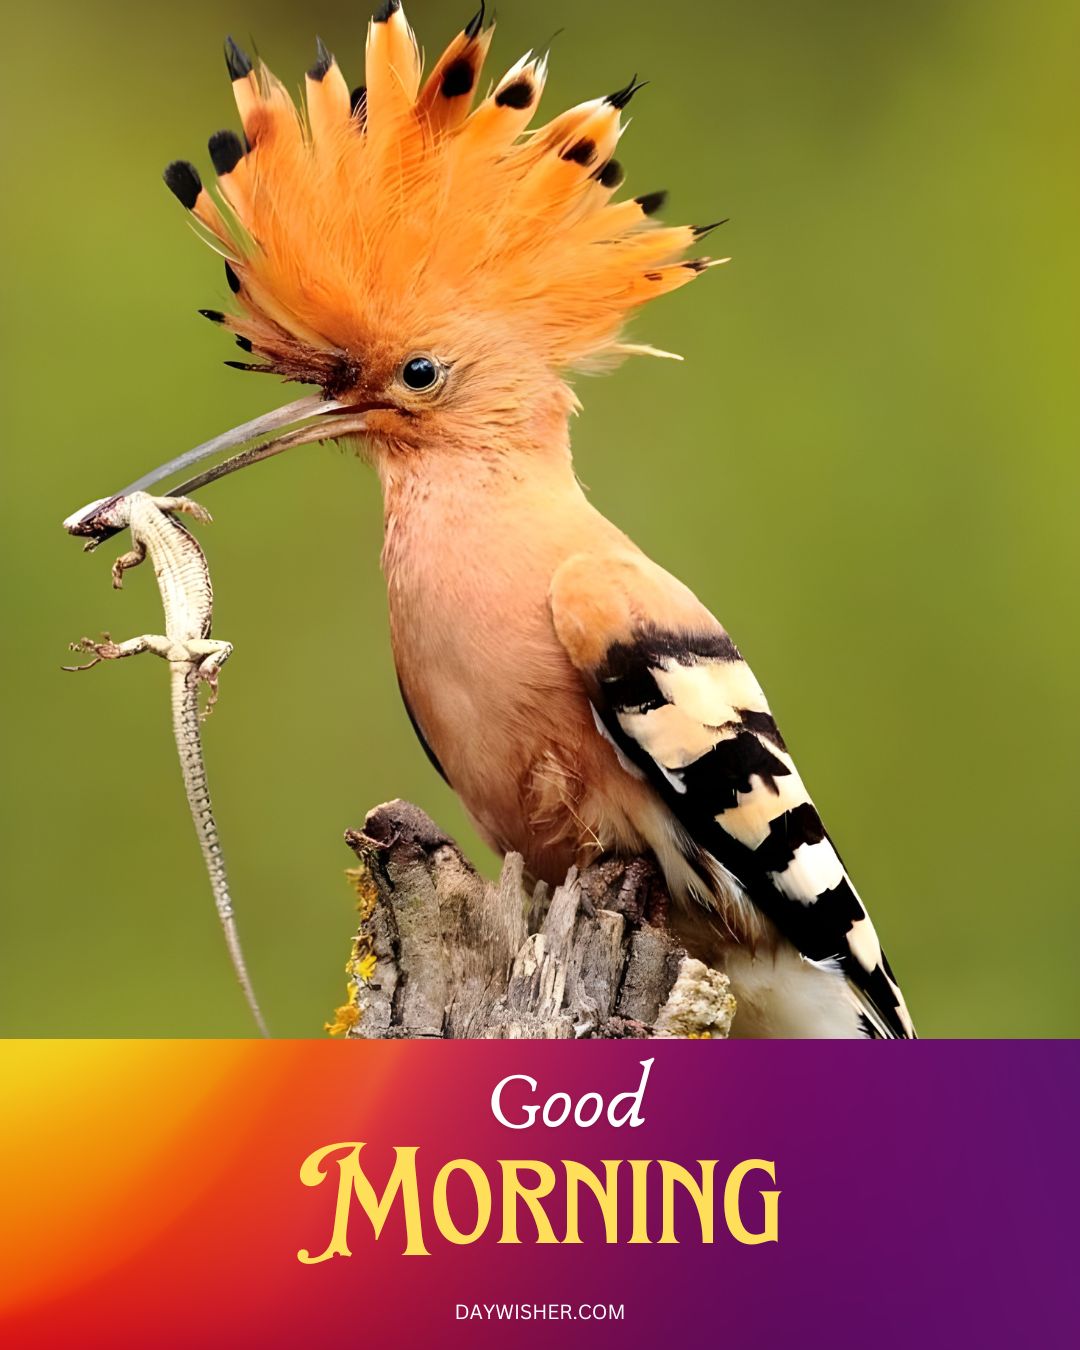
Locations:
(436, 268)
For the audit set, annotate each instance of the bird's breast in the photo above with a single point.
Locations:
(493, 693)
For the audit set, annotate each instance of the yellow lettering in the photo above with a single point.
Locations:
(532, 1195)
(770, 1199)
(441, 1209)
(352, 1182)
(606, 1192)
(639, 1170)
(702, 1196)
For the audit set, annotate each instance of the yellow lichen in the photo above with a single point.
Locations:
(360, 967)
(362, 960)
(364, 889)
(345, 1018)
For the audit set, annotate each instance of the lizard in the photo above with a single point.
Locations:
(194, 657)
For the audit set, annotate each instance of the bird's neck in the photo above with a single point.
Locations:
(441, 506)
(483, 487)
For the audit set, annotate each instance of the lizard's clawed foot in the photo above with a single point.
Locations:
(105, 650)
(209, 674)
(209, 668)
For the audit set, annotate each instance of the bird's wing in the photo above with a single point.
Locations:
(671, 690)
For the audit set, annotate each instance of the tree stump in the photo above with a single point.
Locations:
(441, 953)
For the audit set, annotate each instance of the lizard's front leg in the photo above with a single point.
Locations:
(107, 650)
(183, 506)
(210, 655)
(126, 560)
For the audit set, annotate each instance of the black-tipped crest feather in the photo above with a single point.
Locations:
(323, 61)
(621, 97)
(237, 60)
(651, 202)
(183, 181)
(472, 28)
(226, 151)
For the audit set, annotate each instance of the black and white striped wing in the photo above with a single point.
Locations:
(685, 708)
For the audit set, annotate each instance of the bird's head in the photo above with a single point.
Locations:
(425, 259)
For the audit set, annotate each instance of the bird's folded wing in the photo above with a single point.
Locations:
(673, 693)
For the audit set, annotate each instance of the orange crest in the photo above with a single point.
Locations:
(392, 212)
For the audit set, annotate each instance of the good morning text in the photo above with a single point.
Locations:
(613, 1200)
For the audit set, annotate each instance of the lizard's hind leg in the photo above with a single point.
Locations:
(214, 654)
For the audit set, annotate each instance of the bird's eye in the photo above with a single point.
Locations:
(419, 373)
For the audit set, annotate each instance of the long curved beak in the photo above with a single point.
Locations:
(319, 419)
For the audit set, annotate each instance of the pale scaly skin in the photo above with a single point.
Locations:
(194, 657)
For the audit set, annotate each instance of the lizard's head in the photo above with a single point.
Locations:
(98, 521)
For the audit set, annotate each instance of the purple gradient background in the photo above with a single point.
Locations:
(928, 1199)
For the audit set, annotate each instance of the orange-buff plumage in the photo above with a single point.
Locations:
(406, 210)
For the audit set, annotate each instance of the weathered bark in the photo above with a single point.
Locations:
(442, 953)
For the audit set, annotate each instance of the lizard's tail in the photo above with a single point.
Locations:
(185, 706)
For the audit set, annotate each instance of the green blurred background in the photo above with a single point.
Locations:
(867, 467)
